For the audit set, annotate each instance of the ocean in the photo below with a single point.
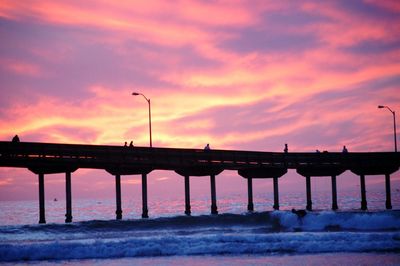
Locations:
(234, 237)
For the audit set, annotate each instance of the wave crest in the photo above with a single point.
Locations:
(258, 233)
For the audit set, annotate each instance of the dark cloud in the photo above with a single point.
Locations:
(375, 47)
(368, 10)
(355, 93)
(270, 40)
(279, 32)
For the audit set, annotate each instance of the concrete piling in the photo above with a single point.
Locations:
(276, 193)
(308, 192)
(214, 209)
(187, 196)
(118, 212)
(334, 193)
(145, 211)
(68, 198)
(363, 193)
(42, 218)
(250, 205)
(388, 195)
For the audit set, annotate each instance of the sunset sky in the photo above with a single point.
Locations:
(245, 75)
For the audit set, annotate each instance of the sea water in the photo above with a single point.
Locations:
(234, 237)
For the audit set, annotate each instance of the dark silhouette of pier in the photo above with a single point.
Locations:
(47, 158)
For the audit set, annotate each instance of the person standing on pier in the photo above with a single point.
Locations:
(286, 150)
(15, 138)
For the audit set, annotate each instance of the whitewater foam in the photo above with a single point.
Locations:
(330, 220)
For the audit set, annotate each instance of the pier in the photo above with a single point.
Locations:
(49, 158)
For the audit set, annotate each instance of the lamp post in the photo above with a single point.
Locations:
(394, 124)
(148, 101)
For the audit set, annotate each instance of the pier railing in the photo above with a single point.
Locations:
(25, 154)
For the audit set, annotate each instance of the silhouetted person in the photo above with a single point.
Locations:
(299, 213)
(131, 144)
(345, 149)
(126, 144)
(207, 147)
(286, 148)
(15, 138)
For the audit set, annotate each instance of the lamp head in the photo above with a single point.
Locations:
(135, 93)
(381, 106)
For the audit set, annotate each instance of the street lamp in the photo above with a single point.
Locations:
(148, 101)
(394, 124)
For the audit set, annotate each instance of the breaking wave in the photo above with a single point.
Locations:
(258, 233)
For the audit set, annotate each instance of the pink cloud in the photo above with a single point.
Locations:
(22, 68)
(348, 28)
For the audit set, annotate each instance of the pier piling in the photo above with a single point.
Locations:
(68, 197)
(42, 218)
(145, 211)
(250, 205)
(308, 190)
(263, 173)
(214, 209)
(118, 212)
(388, 196)
(334, 193)
(276, 193)
(324, 170)
(363, 193)
(187, 196)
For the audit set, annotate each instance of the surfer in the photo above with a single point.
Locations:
(299, 213)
